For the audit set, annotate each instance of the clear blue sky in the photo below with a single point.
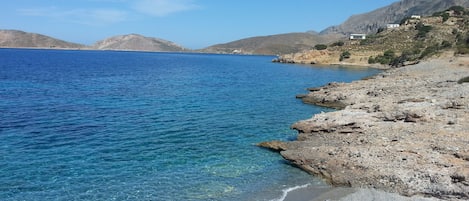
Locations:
(190, 23)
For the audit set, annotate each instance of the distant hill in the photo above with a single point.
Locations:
(21, 39)
(138, 43)
(370, 22)
(271, 45)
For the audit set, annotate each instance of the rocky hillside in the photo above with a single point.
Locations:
(138, 43)
(21, 39)
(363, 23)
(414, 40)
(372, 21)
(271, 45)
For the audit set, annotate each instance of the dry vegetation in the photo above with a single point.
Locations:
(414, 40)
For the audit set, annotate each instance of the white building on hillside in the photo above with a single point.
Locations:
(392, 26)
(357, 36)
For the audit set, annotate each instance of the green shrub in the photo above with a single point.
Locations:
(462, 50)
(429, 51)
(338, 43)
(399, 61)
(462, 44)
(458, 10)
(320, 47)
(410, 54)
(389, 54)
(406, 55)
(445, 17)
(422, 30)
(344, 55)
(463, 80)
(446, 44)
(385, 59)
(442, 14)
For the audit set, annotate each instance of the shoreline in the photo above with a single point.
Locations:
(403, 131)
(351, 194)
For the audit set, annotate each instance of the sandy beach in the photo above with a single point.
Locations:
(403, 132)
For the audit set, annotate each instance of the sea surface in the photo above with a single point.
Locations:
(104, 125)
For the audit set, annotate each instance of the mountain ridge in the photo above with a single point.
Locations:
(129, 42)
(277, 44)
(371, 21)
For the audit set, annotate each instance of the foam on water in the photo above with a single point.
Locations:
(288, 190)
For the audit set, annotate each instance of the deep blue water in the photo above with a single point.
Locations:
(99, 125)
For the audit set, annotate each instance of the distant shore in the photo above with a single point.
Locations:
(403, 131)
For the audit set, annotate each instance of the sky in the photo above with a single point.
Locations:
(193, 24)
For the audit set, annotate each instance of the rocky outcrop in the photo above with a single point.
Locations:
(310, 57)
(329, 57)
(404, 130)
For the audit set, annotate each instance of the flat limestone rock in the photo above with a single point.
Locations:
(404, 131)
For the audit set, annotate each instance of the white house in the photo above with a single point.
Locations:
(357, 36)
(392, 26)
(415, 16)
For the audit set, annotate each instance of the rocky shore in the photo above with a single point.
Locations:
(405, 131)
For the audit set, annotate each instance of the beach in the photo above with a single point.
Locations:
(402, 132)
(351, 194)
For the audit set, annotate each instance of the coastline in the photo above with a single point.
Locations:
(351, 194)
(403, 131)
(328, 58)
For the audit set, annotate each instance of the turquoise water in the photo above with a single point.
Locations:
(99, 125)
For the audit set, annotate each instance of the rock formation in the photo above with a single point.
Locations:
(404, 130)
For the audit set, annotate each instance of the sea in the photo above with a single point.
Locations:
(117, 125)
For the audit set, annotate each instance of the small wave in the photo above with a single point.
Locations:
(288, 190)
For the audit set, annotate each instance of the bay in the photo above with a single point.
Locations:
(104, 125)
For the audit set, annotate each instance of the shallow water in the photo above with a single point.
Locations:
(103, 125)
